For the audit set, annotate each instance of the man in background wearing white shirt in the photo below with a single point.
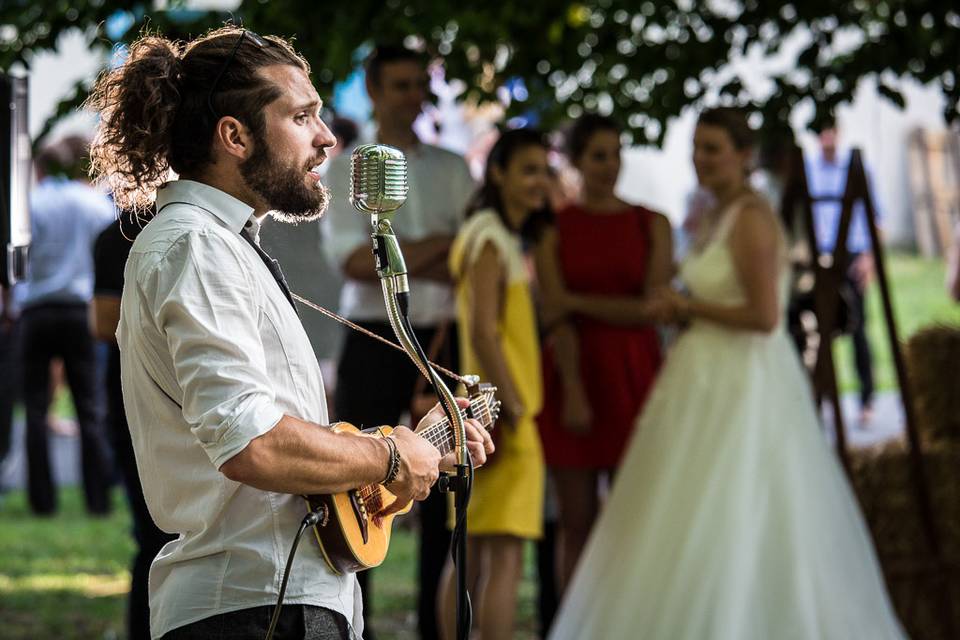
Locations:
(440, 186)
(222, 393)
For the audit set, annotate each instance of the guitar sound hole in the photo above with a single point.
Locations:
(373, 502)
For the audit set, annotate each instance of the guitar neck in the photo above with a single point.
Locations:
(440, 434)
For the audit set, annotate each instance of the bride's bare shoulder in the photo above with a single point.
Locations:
(756, 219)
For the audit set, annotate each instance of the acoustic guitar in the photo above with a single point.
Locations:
(351, 536)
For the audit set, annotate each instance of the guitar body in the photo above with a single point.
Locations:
(353, 539)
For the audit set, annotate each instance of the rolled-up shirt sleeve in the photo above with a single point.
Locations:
(205, 307)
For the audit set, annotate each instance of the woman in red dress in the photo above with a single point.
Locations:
(596, 267)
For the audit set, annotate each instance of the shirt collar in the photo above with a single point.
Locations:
(233, 213)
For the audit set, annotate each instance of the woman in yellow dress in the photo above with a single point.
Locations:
(498, 341)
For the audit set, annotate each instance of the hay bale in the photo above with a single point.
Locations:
(883, 479)
(932, 358)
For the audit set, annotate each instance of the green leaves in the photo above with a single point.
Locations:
(643, 61)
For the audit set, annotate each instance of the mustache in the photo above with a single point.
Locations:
(320, 159)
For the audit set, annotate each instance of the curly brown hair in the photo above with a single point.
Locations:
(157, 112)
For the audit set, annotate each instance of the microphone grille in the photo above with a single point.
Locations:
(378, 178)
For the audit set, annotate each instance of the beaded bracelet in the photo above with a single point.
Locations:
(393, 468)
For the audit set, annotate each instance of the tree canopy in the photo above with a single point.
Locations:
(641, 61)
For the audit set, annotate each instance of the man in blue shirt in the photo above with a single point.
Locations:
(827, 177)
(66, 215)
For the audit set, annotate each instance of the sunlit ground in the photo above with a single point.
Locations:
(67, 576)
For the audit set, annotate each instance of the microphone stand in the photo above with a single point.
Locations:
(392, 271)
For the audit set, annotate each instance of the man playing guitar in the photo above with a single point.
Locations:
(222, 392)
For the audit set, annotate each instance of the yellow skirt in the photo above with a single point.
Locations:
(507, 497)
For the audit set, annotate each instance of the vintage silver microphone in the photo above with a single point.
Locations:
(378, 178)
(378, 186)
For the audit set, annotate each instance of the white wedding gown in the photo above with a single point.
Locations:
(730, 517)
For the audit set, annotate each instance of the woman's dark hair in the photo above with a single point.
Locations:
(584, 128)
(733, 121)
(158, 110)
(488, 195)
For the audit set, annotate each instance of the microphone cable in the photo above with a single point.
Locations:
(309, 520)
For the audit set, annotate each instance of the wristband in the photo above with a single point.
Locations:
(393, 466)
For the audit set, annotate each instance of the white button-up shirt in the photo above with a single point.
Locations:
(212, 356)
(439, 188)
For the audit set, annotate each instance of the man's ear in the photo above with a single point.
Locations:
(233, 138)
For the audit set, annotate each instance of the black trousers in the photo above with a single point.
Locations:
(374, 387)
(148, 537)
(296, 622)
(862, 356)
(50, 331)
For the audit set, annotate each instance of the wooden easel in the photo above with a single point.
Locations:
(827, 276)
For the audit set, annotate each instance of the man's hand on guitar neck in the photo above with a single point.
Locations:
(479, 442)
(420, 461)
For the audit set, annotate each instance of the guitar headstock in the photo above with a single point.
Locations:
(483, 403)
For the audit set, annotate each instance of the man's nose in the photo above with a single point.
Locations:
(325, 137)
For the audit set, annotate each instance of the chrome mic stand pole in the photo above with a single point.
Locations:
(396, 294)
(372, 188)
(393, 278)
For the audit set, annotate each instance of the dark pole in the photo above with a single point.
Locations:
(826, 282)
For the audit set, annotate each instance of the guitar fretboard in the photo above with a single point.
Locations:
(440, 434)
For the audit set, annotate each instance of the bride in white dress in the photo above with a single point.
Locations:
(730, 517)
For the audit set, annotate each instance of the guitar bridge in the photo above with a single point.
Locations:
(360, 513)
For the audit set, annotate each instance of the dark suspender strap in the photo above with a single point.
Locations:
(272, 265)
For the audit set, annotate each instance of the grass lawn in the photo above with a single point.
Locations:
(67, 577)
(919, 299)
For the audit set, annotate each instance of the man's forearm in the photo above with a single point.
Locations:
(300, 457)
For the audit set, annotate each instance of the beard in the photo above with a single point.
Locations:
(281, 185)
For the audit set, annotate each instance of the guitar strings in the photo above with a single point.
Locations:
(436, 434)
(433, 435)
(371, 495)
